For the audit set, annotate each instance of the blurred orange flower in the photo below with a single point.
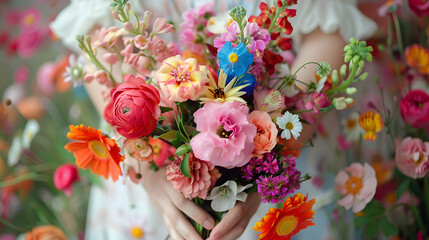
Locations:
(371, 122)
(95, 151)
(285, 223)
(417, 57)
(45, 232)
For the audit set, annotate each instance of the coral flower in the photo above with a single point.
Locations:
(417, 57)
(181, 80)
(266, 133)
(45, 232)
(287, 222)
(412, 157)
(371, 123)
(95, 151)
(358, 184)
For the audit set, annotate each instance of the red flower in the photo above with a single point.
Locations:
(270, 60)
(419, 7)
(415, 108)
(285, 43)
(135, 107)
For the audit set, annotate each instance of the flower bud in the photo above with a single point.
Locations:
(351, 90)
(128, 26)
(349, 100)
(343, 70)
(334, 77)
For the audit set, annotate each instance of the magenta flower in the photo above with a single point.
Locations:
(30, 18)
(412, 157)
(29, 42)
(21, 75)
(65, 176)
(226, 136)
(415, 108)
(358, 184)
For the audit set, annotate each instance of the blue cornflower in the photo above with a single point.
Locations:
(234, 61)
(248, 79)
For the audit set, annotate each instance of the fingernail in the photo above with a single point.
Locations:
(208, 224)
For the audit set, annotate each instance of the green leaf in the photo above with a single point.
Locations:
(181, 138)
(176, 143)
(374, 208)
(166, 109)
(371, 229)
(402, 188)
(182, 150)
(361, 220)
(387, 228)
(185, 168)
(171, 135)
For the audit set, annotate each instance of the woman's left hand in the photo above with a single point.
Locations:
(236, 219)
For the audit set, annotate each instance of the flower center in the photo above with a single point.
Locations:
(29, 19)
(76, 72)
(289, 126)
(219, 93)
(136, 232)
(233, 57)
(181, 74)
(223, 133)
(286, 225)
(353, 185)
(125, 110)
(351, 123)
(419, 159)
(156, 149)
(98, 148)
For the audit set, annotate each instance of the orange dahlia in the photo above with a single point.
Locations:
(283, 224)
(95, 151)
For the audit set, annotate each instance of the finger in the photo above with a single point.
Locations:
(236, 231)
(192, 210)
(170, 227)
(241, 211)
(181, 224)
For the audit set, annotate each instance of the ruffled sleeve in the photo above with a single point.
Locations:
(80, 17)
(331, 16)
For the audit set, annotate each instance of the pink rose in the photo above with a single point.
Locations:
(135, 107)
(358, 184)
(419, 7)
(226, 135)
(412, 157)
(65, 176)
(204, 176)
(266, 133)
(415, 108)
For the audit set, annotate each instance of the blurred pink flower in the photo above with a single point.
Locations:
(266, 133)
(162, 26)
(226, 135)
(65, 176)
(389, 6)
(107, 38)
(30, 18)
(12, 17)
(419, 7)
(343, 144)
(161, 151)
(204, 175)
(358, 184)
(29, 42)
(412, 157)
(21, 75)
(270, 101)
(141, 42)
(139, 149)
(415, 108)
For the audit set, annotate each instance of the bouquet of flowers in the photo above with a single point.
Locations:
(221, 111)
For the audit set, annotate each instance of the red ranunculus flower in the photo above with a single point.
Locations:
(135, 107)
(419, 7)
(415, 108)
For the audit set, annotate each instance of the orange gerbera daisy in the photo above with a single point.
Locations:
(95, 151)
(283, 224)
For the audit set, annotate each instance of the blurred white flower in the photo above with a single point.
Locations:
(225, 196)
(15, 150)
(217, 24)
(352, 130)
(30, 131)
(22, 141)
(76, 70)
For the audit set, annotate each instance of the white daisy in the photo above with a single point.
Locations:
(290, 124)
(352, 131)
(76, 70)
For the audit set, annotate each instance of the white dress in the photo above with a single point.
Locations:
(118, 207)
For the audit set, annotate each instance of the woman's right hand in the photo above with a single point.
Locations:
(172, 206)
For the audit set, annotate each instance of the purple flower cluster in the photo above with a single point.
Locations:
(275, 179)
(194, 27)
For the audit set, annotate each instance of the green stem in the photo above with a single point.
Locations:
(426, 195)
(13, 226)
(416, 215)
(274, 20)
(348, 81)
(29, 176)
(398, 34)
(389, 45)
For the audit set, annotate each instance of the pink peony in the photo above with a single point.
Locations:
(412, 157)
(139, 149)
(266, 133)
(415, 108)
(135, 107)
(204, 176)
(65, 176)
(358, 184)
(226, 135)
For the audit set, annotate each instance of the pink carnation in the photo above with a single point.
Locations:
(358, 184)
(415, 108)
(226, 135)
(204, 176)
(412, 157)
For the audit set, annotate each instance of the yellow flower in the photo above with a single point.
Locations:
(221, 93)
(371, 123)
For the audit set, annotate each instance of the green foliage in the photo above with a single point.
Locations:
(185, 168)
